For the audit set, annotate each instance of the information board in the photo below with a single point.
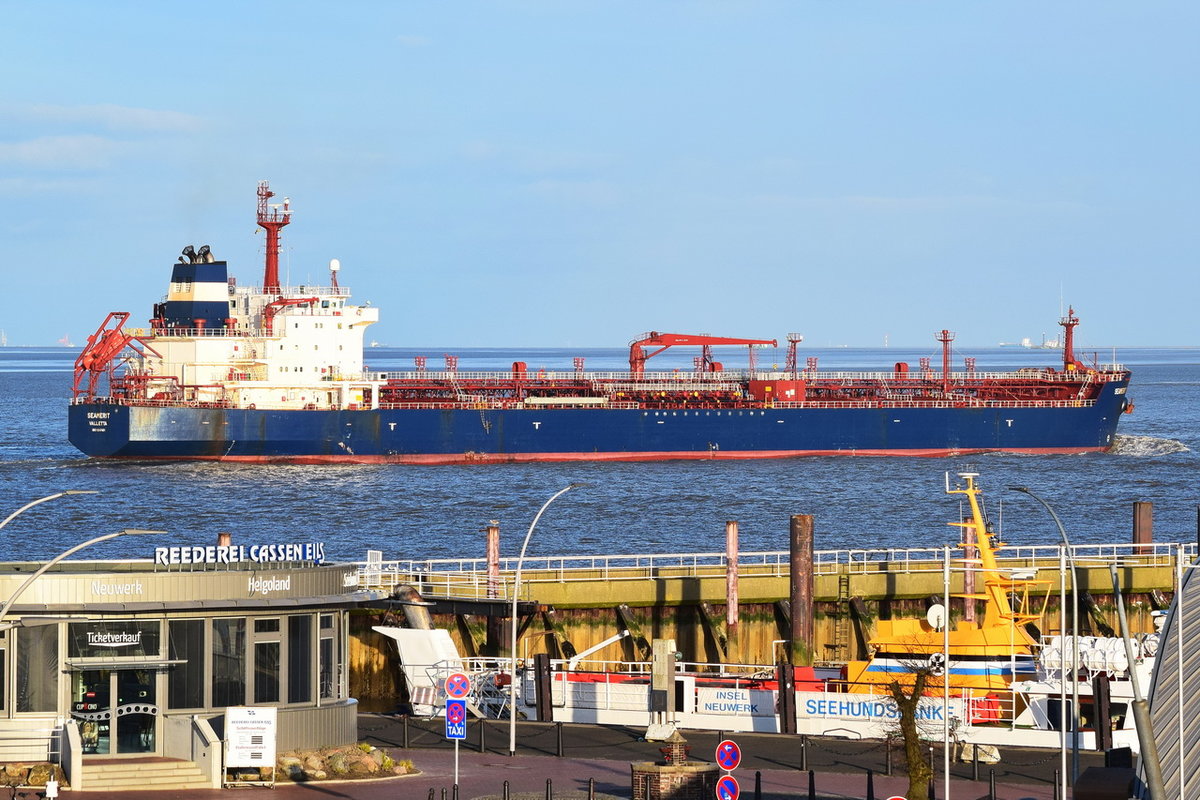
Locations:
(250, 736)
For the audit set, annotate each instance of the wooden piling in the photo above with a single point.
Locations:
(801, 595)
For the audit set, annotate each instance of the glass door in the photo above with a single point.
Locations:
(90, 708)
(117, 710)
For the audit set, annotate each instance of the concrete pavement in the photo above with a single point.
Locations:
(604, 754)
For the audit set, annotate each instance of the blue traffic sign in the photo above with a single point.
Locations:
(458, 686)
(727, 788)
(456, 719)
(729, 755)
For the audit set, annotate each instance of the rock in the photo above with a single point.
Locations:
(39, 774)
(986, 753)
(338, 764)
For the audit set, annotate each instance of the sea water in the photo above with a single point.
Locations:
(419, 512)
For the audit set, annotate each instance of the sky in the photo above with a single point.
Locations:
(556, 174)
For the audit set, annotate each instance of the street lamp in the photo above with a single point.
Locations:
(512, 684)
(55, 496)
(41, 570)
(1074, 634)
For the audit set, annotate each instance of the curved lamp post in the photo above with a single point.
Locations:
(41, 570)
(1074, 635)
(512, 684)
(55, 496)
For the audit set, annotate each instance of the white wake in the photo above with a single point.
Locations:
(1144, 446)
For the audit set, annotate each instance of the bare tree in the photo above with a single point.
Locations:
(907, 691)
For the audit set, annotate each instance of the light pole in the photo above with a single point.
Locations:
(1074, 632)
(55, 496)
(512, 684)
(41, 570)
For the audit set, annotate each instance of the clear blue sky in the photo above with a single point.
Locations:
(575, 173)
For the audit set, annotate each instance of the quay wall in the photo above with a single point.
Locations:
(579, 609)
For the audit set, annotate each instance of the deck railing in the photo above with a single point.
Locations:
(468, 578)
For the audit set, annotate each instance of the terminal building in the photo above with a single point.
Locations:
(108, 660)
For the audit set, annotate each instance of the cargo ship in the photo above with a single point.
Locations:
(275, 373)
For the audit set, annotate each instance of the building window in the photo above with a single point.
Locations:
(37, 669)
(300, 656)
(266, 672)
(328, 665)
(267, 652)
(185, 682)
(229, 662)
(105, 639)
(3, 666)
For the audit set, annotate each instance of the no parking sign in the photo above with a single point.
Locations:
(456, 719)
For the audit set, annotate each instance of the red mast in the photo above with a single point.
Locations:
(271, 218)
(1069, 322)
(945, 337)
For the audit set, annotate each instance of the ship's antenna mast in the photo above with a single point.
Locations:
(945, 337)
(1069, 322)
(790, 366)
(271, 218)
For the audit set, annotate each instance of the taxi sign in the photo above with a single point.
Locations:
(729, 755)
(456, 719)
(458, 686)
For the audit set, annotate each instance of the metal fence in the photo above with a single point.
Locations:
(468, 578)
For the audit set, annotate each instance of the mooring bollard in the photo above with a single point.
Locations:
(559, 743)
(870, 785)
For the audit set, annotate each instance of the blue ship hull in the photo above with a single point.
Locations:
(459, 435)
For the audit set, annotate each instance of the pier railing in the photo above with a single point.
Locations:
(469, 578)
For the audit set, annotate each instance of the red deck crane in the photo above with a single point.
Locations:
(638, 356)
(100, 355)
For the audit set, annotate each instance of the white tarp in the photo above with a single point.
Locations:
(426, 657)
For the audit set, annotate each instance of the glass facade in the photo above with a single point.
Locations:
(229, 661)
(266, 672)
(185, 681)
(300, 658)
(37, 668)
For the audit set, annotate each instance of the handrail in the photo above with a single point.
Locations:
(469, 577)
